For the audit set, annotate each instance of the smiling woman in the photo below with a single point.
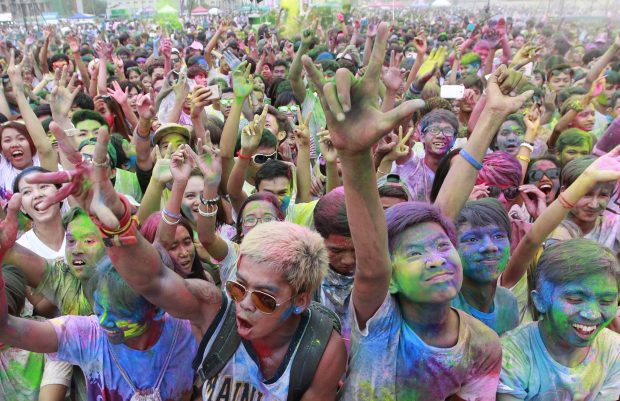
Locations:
(18, 153)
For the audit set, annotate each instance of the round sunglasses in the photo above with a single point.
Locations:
(264, 302)
(260, 158)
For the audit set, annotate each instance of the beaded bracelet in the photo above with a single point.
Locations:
(208, 202)
(208, 214)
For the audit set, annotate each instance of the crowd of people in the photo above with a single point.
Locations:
(311, 210)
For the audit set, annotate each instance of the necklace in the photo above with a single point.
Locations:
(151, 394)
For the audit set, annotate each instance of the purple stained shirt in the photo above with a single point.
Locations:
(418, 177)
(82, 342)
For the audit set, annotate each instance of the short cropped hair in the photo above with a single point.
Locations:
(272, 169)
(73, 213)
(295, 251)
(330, 214)
(574, 169)
(500, 168)
(439, 115)
(572, 260)
(573, 137)
(485, 212)
(403, 216)
(84, 114)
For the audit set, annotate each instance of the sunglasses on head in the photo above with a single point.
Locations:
(264, 302)
(537, 175)
(262, 159)
(509, 193)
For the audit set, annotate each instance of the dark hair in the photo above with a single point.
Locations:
(280, 63)
(195, 70)
(155, 64)
(283, 123)
(28, 171)
(574, 168)
(83, 101)
(571, 260)
(484, 212)
(149, 232)
(405, 215)
(55, 58)
(267, 140)
(442, 172)
(393, 191)
(285, 98)
(262, 197)
(116, 140)
(272, 169)
(215, 126)
(83, 115)
(547, 156)
(43, 110)
(473, 81)
(330, 214)
(573, 137)
(591, 55)
(23, 130)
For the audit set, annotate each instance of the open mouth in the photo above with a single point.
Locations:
(546, 188)
(585, 330)
(17, 154)
(38, 206)
(243, 327)
(78, 264)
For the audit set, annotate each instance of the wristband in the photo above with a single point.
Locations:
(171, 215)
(470, 159)
(212, 213)
(126, 234)
(209, 202)
(242, 156)
(523, 158)
(169, 222)
(527, 145)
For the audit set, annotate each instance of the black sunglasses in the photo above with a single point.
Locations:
(509, 193)
(260, 158)
(537, 175)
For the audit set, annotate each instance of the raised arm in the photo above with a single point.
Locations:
(462, 175)
(303, 170)
(332, 179)
(44, 148)
(600, 64)
(604, 169)
(142, 135)
(294, 75)
(74, 45)
(104, 50)
(22, 333)
(355, 124)
(242, 87)
(113, 215)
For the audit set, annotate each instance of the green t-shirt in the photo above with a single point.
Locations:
(20, 374)
(64, 290)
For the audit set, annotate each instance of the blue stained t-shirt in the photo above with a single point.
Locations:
(81, 341)
(529, 372)
(504, 315)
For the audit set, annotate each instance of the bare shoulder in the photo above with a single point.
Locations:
(331, 369)
(210, 298)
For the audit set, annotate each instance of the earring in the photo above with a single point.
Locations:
(298, 310)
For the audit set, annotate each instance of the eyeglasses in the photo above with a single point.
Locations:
(262, 159)
(509, 193)
(251, 221)
(226, 102)
(537, 175)
(174, 59)
(264, 302)
(435, 131)
(290, 108)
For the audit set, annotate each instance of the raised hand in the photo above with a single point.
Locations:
(104, 50)
(243, 84)
(419, 42)
(9, 226)
(307, 35)
(434, 60)
(181, 87)
(181, 164)
(89, 182)
(534, 199)
(606, 168)
(200, 100)
(144, 106)
(166, 47)
(351, 106)
(74, 44)
(118, 62)
(118, 94)
(289, 48)
(62, 97)
(327, 147)
(499, 86)
(15, 71)
(525, 55)
(302, 131)
(392, 78)
(253, 132)
(209, 162)
(161, 169)
(401, 149)
(532, 123)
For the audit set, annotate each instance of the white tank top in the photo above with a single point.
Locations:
(241, 378)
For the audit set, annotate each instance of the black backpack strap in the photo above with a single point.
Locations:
(223, 348)
(311, 348)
